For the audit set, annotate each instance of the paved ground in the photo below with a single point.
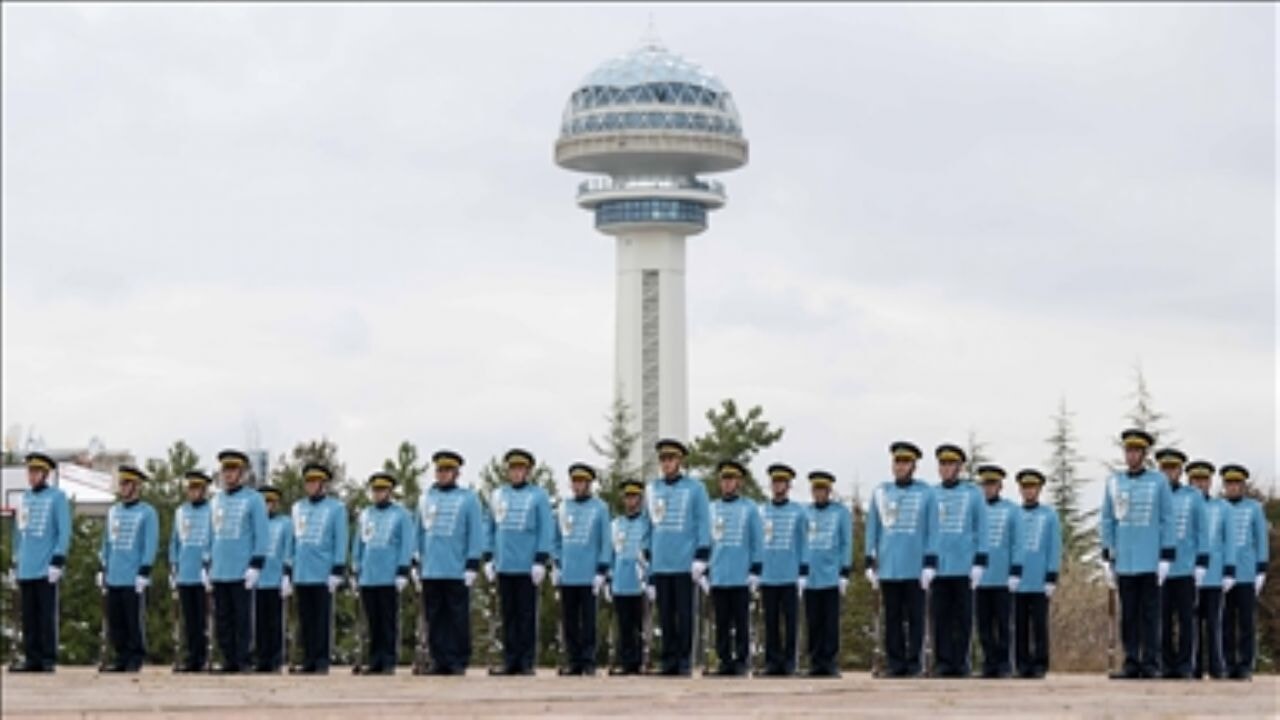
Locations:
(83, 693)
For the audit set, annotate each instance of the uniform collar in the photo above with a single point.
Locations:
(949, 485)
(273, 514)
(994, 500)
(673, 479)
(634, 515)
(40, 488)
(780, 503)
(1135, 473)
(234, 490)
(316, 498)
(582, 499)
(445, 488)
(822, 506)
(1031, 505)
(729, 498)
(1234, 501)
(198, 503)
(383, 505)
(130, 503)
(904, 483)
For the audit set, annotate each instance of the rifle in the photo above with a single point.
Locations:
(361, 657)
(927, 662)
(561, 667)
(707, 637)
(646, 622)
(496, 661)
(756, 627)
(877, 651)
(421, 652)
(177, 623)
(209, 628)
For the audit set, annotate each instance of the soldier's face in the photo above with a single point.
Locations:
(35, 476)
(1233, 489)
(1134, 457)
(903, 469)
(821, 494)
(991, 490)
(446, 476)
(781, 489)
(273, 503)
(948, 470)
(517, 474)
(1173, 472)
(728, 485)
(581, 487)
(195, 492)
(128, 489)
(380, 495)
(231, 476)
(670, 464)
(1202, 484)
(632, 502)
(313, 487)
(1030, 493)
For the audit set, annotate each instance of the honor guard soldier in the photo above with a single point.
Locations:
(786, 531)
(1190, 564)
(830, 560)
(680, 511)
(1034, 576)
(190, 552)
(450, 533)
(522, 539)
(1138, 549)
(992, 598)
(274, 586)
(381, 555)
(629, 576)
(39, 554)
(961, 536)
(736, 540)
(901, 559)
(239, 551)
(320, 564)
(1220, 573)
(127, 553)
(1247, 534)
(583, 553)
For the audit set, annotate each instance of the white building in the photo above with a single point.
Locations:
(649, 122)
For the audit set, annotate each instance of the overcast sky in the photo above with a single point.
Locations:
(346, 222)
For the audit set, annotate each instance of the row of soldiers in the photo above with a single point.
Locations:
(939, 557)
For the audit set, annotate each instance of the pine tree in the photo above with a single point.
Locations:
(1144, 415)
(732, 437)
(408, 472)
(976, 450)
(617, 447)
(166, 491)
(1064, 484)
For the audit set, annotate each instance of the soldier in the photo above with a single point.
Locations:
(381, 555)
(39, 555)
(631, 533)
(190, 552)
(275, 585)
(994, 609)
(320, 564)
(1247, 534)
(1138, 548)
(681, 539)
(786, 531)
(961, 536)
(1219, 574)
(451, 537)
(127, 553)
(735, 569)
(1034, 575)
(522, 538)
(583, 553)
(830, 560)
(239, 551)
(1186, 573)
(901, 558)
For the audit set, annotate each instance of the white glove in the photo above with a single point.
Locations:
(140, 584)
(333, 582)
(490, 572)
(468, 578)
(286, 586)
(705, 584)
(1049, 588)
(1228, 582)
(1258, 582)
(844, 585)
(97, 580)
(639, 572)
(1162, 571)
(975, 576)
(608, 593)
(597, 584)
(555, 576)
(1013, 583)
(926, 577)
(402, 582)
(698, 569)
(54, 574)
(251, 576)
(753, 583)
(651, 592)
(205, 580)
(1199, 574)
(1110, 573)
(801, 584)
(873, 578)
(538, 573)
(353, 582)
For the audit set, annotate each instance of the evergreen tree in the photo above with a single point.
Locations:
(408, 471)
(1144, 415)
(1064, 484)
(618, 448)
(976, 450)
(166, 491)
(732, 436)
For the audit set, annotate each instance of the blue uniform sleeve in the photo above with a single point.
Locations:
(1200, 514)
(1054, 561)
(1107, 525)
(357, 544)
(701, 522)
(980, 522)
(339, 539)
(1228, 547)
(1168, 524)
(261, 533)
(476, 539)
(546, 528)
(846, 541)
(603, 521)
(62, 541)
(931, 529)
(1260, 538)
(408, 542)
(646, 546)
(150, 541)
(755, 541)
(557, 538)
(871, 533)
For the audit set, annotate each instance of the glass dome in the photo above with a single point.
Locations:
(650, 88)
